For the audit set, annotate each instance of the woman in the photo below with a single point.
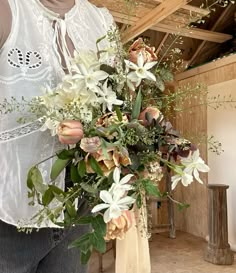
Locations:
(37, 40)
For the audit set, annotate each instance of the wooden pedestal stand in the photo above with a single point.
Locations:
(218, 249)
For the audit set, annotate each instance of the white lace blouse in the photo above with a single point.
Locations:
(29, 60)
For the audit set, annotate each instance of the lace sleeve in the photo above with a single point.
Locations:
(5, 21)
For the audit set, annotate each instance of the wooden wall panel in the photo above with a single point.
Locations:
(194, 219)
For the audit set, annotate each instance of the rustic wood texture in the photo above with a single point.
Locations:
(195, 219)
(218, 249)
(172, 17)
(154, 16)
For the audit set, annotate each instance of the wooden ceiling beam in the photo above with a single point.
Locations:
(216, 24)
(200, 11)
(194, 33)
(154, 16)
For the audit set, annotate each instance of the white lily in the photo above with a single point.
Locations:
(182, 177)
(120, 186)
(108, 97)
(141, 71)
(114, 204)
(88, 77)
(195, 164)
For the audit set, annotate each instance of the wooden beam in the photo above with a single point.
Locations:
(206, 67)
(217, 23)
(194, 33)
(151, 18)
(201, 11)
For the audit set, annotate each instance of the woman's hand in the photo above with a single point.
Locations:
(70, 132)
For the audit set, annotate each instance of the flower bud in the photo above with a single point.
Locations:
(70, 132)
(152, 111)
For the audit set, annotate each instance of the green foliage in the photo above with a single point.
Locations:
(95, 166)
(58, 166)
(137, 106)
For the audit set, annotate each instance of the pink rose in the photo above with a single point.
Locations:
(70, 132)
(139, 46)
(154, 113)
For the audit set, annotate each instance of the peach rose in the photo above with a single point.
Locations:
(70, 132)
(154, 113)
(139, 46)
(117, 228)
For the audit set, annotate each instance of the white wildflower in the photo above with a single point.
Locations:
(114, 204)
(195, 164)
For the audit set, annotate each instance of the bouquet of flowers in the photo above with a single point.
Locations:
(119, 142)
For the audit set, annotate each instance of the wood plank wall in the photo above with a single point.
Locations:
(194, 219)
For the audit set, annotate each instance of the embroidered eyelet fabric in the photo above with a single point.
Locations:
(29, 61)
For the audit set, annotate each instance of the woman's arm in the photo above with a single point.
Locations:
(5, 21)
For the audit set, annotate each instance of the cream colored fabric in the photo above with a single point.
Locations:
(29, 61)
(132, 253)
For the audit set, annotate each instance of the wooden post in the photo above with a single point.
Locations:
(218, 249)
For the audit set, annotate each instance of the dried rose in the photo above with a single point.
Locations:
(70, 131)
(139, 46)
(107, 162)
(90, 144)
(109, 119)
(152, 111)
(117, 228)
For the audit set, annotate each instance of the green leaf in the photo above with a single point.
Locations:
(85, 220)
(47, 197)
(95, 166)
(74, 175)
(137, 106)
(35, 180)
(89, 188)
(84, 257)
(71, 209)
(99, 225)
(118, 113)
(81, 168)
(57, 167)
(98, 242)
(151, 189)
(66, 154)
(183, 206)
(139, 201)
(57, 190)
(84, 239)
